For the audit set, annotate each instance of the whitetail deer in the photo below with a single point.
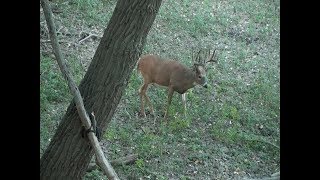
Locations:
(173, 75)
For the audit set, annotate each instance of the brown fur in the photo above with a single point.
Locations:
(169, 73)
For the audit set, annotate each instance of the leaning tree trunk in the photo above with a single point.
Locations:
(68, 154)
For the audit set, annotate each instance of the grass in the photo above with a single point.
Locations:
(54, 96)
(231, 129)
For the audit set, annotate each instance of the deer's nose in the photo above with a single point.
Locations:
(204, 84)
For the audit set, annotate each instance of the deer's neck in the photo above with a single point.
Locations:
(192, 75)
(191, 78)
(184, 81)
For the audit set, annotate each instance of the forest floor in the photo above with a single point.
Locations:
(232, 128)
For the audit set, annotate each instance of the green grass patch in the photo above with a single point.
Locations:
(52, 85)
(233, 124)
(178, 124)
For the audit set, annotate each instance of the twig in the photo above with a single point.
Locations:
(274, 176)
(82, 65)
(117, 162)
(263, 141)
(91, 35)
(49, 41)
(101, 160)
(58, 31)
(45, 40)
(42, 149)
(41, 73)
(266, 178)
(125, 160)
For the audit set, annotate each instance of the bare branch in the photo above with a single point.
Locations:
(125, 160)
(45, 40)
(117, 162)
(91, 35)
(49, 41)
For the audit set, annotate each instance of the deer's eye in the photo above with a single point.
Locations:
(199, 77)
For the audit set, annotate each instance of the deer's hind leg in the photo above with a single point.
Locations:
(149, 103)
(150, 106)
(143, 94)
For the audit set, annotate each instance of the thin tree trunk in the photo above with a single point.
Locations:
(68, 154)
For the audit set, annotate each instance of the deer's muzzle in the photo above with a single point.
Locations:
(204, 82)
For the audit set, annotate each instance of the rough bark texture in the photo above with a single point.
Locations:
(68, 154)
(101, 160)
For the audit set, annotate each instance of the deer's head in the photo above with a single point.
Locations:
(199, 67)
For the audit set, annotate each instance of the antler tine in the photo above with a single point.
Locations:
(192, 55)
(197, 61)
(207, 55)
(211, 57)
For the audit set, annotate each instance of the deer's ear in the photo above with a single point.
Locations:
(195, 67)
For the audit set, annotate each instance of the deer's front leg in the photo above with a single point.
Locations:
(184, 104)
(170, 93)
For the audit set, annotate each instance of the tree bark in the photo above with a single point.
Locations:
(68, 154)
(101, 160)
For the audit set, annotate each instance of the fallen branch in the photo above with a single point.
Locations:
(49, 41)
(263, 141)
(266, 178)
(101, 159)
(125, 160)
(275, 176)
(45, 40)
(91, 35)
(92, 166)
(117, 162)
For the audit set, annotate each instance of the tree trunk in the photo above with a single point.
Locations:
(68, 154)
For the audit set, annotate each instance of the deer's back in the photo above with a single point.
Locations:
(156, 70)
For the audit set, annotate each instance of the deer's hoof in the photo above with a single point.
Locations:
(142, 115)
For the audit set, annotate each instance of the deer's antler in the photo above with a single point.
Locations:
(211, 57)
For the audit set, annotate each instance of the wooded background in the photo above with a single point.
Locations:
(231, 130)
